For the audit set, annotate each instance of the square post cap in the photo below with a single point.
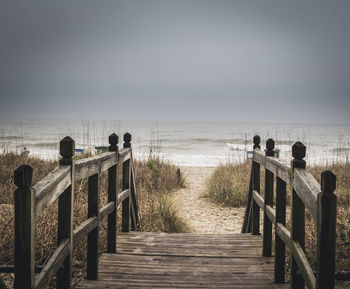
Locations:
(113, 139)
(23, 176)
(67, 147)
(298, 150)
(328, 182)
(270, 144)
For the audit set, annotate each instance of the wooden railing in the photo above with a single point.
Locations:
(306, 193)
(30, 202)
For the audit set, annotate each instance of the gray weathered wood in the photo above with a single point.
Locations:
(158, 260)
(326, 231)
(87, 167)
(51, 187)
(268, 201)
(256, 209)
(280, 250)
(307, 188)
(93, 236)
(112, 197)
(134, 195)
(270, 212)
(298, 216)
(106, 210)
(277, 166)
(247, 224)
(303, 265)
(122, 196)
(53, 265)
(85, 228)
(284, 234)
(126, 186)
(124, 155)
(126, 201)
(258, 199)
(24, 228)
(65, 214)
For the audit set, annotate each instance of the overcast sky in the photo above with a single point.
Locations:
(258, 61)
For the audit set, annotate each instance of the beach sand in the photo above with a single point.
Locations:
(202, 215)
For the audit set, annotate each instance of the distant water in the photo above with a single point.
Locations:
(182, 143)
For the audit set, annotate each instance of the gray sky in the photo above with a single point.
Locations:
(258, 61)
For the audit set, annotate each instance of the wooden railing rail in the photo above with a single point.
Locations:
(31, 201)
(306, 193)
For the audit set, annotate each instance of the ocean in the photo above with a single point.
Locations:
(182, 143)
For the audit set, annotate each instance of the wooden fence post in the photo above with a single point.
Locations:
(298, 214)
(93, 236)
(256, 187)
(65, 214)
(326, 231)
(125, 186)
(268, 200)
(112, 197)
(280, 247)
(24, 228)
(248, 214)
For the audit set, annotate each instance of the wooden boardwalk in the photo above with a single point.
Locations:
(159, 260)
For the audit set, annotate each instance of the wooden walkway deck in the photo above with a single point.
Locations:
(159, 260)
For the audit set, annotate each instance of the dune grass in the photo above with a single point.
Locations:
(155, 179)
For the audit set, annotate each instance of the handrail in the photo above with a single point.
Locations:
(307, 193)
(304, 182)
(30, 202)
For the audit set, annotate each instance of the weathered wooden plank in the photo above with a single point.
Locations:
(326, 231)
(268, 201)
(280, 248)
(65, 215)
(133, 195)
(93, 236)
(255, 206)
(258, 199)
(87, 167)
(270, 212)
(298, 214)
(303, 265)
(126, 201)
(158, 260)
(307, 189)
(110, 162)
(277, 166)
(124, 154)
(122, 196)
(112, 197)
(106, 210)
(51, 187)
(284, 234)
(53, 265)
(24, 228)
(85, 228)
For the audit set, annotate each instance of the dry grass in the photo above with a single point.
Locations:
(154, 180)
(229, 186)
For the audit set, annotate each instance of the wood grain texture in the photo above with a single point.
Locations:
(159, 260)
(52, 265)
(277, 166)
(307, 188)
(87, 167)
(259, 200)
(51, 187)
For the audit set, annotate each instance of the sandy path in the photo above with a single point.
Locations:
(201, 214)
